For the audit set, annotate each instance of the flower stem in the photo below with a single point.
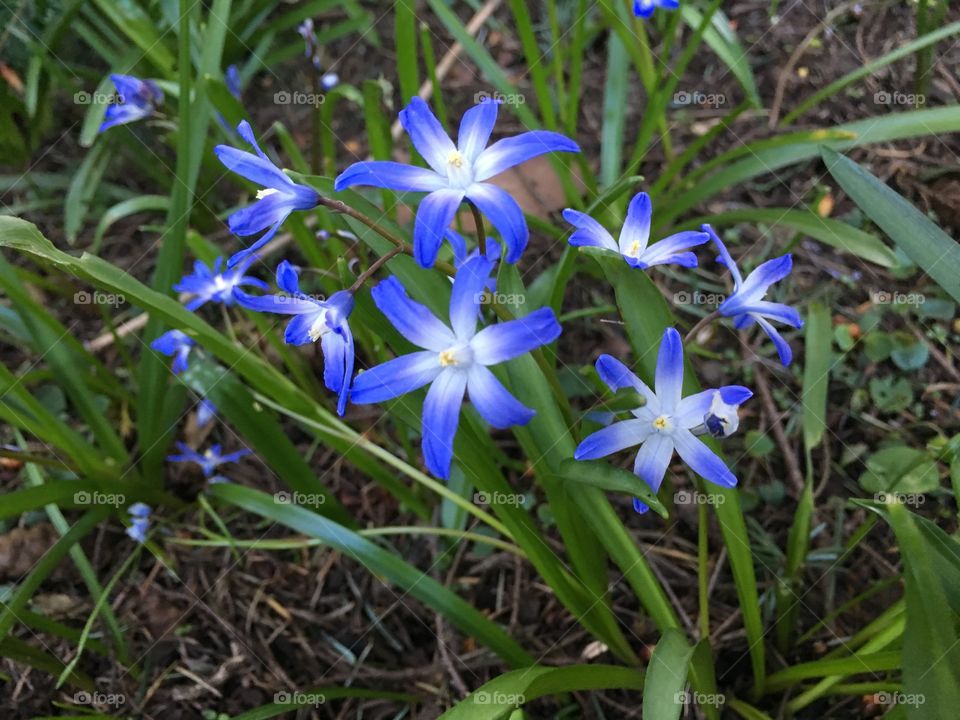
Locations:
(481, 232)
(704, 321)
(380, 262)
(342, 207)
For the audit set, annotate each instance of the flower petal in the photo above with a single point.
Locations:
(270, 210)
(427, 134)
(395, 377)
(783, 347)
(411, 319)
(506, 153)
(335, 372)
(288, 279)
(702, 459)
(724, 258)
(504, 341)
(434, 216)
(441, 414)
(475, 128)
(672, 249)
(493, 401)
(258, 170)
(669, 378)
(298, 329)
(757, 283)
(635, 233)
(280, 304)
(652, 462)
(505, 214)
(617, 376)
(391, 175)
(588, 231)
(467, 293)
(612, 439)
(777, 311)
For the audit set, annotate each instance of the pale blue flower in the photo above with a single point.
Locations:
(138, 99)
(208, 284)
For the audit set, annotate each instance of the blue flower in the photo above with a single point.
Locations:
(139, 522)
(458, 172)
(279, 197)
(175, 344)
(210, 284)
(209, 460)
(232, 80)
(634, 237)
(324, 320)
(666, 422)
(454, 359)
(645, 8)
(329, 81)
(746, 305)
(206, 411)
(138, 99)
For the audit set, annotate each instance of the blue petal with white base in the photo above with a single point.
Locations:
(454, 359)
(278, 198)
(138, 99)
(324, 320)
(633, 244)
(746, 305)
(667, 421)
(457, 173)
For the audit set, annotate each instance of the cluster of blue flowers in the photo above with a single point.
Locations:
(455, 355)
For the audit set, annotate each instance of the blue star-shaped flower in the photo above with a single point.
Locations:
(138, 99)
(458, 172)
(324, 320)
(645, 8)
(454, 359)
(208, 284)
(210, 460)
(279, 197)
(139, 522)
(175, 344)
(667, 422)
(746, 305)
(634, 237)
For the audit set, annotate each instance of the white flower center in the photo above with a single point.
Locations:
(662, 423)
(261, 194)
(319, 327)
(219, 283)
(634, 250)
(459, 170)
(456, 159)
(457, 355)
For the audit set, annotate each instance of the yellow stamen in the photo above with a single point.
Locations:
(661, 423)
(455, 159)
(448, 358)
(634, 250)
(261, 194)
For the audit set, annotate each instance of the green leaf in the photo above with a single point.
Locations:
(502, 695)
(927, 245)
(818, 360)
(890, 394)
(666, 677)
(831, 232)
(614, 118)
(609, 477)
(900, 469)
(380, 562)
